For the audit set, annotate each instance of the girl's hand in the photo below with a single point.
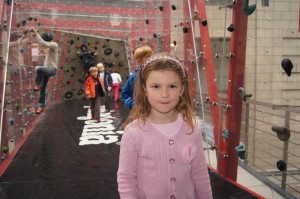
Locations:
(109, 88)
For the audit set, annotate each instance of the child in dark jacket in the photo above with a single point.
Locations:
(94, 89)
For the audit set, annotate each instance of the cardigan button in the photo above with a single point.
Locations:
(172, 197)
(172, 160)
(173, 180)
(171, 142)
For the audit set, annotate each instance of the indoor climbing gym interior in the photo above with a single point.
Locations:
(242, 59)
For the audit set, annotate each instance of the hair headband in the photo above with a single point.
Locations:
(152, 59)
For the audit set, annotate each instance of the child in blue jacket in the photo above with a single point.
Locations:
(141, 55)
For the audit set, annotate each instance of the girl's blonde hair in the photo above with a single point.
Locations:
(141, 109)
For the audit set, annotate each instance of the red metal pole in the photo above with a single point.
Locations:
(212, 87)
(236, 75)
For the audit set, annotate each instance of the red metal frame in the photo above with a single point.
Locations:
(226, 167)
(60, 70)
(212, 88)
(236, 75)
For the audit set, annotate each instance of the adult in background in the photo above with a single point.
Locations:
(43, 73)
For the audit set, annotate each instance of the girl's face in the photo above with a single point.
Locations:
(94, 74)
(163, 89)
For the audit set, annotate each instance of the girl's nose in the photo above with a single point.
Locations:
(164, 92)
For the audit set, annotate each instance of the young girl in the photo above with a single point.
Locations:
(161, 152)
(94, 90)
(116, 79)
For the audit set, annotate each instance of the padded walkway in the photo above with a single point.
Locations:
(64, 158)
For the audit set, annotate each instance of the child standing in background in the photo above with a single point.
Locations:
(161, 152)
(107, 80)
(94, 89)
(141, 54)
(116, 79)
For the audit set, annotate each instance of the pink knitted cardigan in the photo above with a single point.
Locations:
(154, 166)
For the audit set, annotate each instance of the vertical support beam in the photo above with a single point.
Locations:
(212, 87)
(60, 75)
(285, 150)
(236, 77)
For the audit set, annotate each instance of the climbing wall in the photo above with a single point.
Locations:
(112, 53)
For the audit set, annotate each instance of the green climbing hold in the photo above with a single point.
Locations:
(5, 149)
(17, 106)
(29, 18)
(240, 151)
(225, 134)
(21, 129)
(248, 9)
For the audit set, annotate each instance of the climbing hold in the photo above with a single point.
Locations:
(107, 51)
(71, 42)
(73, 68)
(243, 94)
(8, 2)
(17, 106)
(21, 50)
(248, 9)
(4, 149)
(173, 7)
(147, 21)
(282, 132)
(204, 23)
(225, 134)
(120, 64)
(161, 8)
(175, 43)
(81, 81)
(117, 54)
(80, 91)
(185, 30)
(141, 39)
(154, 35)
(281, 165)
(11, 121)
(287, 66)
(83, 48)
(69, 94)
(240, 151)
(230, 28)
(23, 22)
(21, 129)
(29, 18)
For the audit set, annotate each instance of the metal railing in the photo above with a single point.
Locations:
(273, 155)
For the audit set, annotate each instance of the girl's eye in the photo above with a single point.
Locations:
(173, 86)
(155, 86)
